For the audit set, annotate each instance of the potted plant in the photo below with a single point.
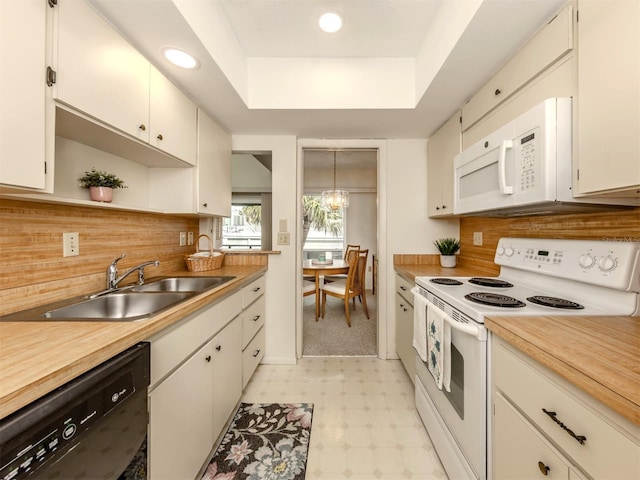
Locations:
(448, 248)
(100, 184)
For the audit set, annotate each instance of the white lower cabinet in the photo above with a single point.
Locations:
(404, 325)
(180, 430)
(227, 373)
(545, 426)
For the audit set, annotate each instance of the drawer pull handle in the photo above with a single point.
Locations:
(256, 318)
(142, 127)
(543, 468)
(403, 288)
(497, 92)
(208, 358)
(579, 438)
(159, 137)
(257, 352)
(257, 289)
(404, 309)
(218, 348)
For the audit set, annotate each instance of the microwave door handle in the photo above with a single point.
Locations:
(502, 167)
(468, 329)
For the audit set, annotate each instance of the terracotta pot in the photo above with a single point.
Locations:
(101, 194)
(448, 261)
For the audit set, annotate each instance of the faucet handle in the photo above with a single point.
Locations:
(118, 259)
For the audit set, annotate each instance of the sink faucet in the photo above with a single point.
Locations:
(112, 272)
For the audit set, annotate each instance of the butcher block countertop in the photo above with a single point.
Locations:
(37, 357)
(410, 272)
(600, 355)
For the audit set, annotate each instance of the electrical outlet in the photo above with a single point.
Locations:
(477, 239)
(284, 238)
(189, 238)
(183, 239)
(70, 244)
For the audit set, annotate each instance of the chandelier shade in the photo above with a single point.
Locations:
(335, 199)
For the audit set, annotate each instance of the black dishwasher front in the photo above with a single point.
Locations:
(93, 427)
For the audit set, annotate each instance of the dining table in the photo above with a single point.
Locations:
(321, 268)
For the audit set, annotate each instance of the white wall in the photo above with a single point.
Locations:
(248, 174)
(407, 228)
(280, 323)
(362, 226)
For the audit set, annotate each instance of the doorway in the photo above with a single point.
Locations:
(326, 233)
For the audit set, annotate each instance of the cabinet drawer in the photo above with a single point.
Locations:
(170, 348)
(519, 451)
(608, 451)
(252, 320)
(552, 42)
(252, 291)
(251, 357)
(403, 288)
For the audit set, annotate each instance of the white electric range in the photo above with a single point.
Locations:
(537, 277)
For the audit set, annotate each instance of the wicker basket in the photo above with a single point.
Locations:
(197, 262)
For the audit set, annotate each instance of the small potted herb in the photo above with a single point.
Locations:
(100, 184)
(448, 247)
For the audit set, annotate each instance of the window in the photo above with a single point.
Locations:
(323, 230)
(243, 229)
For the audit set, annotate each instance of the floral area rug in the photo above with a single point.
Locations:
(265, 441)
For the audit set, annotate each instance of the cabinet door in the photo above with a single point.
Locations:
(608, 96)
(442, 147)
(22, 93)
(518, 451)
(404, 335)
(172, 119)
(214, 168)
(227, 373)
(99, 73)
(180, 434)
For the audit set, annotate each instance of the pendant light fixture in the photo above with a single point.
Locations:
(335, 199)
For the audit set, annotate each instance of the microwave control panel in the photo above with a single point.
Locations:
(528, 155)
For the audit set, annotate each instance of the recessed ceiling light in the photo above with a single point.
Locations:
(180, 58)
(330, 22)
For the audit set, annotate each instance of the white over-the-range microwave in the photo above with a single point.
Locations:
(525, 168)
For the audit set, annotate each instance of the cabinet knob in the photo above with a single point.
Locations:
(543, 468)
(205, 204)
(257, 289)
(218, 348)
(159, 137)
(142, 127)
(444, 207)
(256, 318)
(497, 92)
(208, 358)
(437, 208)
(256, 353)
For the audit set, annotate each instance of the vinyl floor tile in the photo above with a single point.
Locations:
(365, 425)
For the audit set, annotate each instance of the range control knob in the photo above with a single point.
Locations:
(586, 261)
(509, 251)
(500, 251)
(607, 264)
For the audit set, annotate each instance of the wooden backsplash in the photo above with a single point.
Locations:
(619, 225)
(33, 270)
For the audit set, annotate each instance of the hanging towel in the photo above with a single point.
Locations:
(419, 323)
(439, 346)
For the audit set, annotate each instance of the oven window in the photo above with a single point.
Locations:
(456, 395)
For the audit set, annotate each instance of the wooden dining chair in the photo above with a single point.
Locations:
(342, 289)
(308, 288)
(359, 281)
(351, 250)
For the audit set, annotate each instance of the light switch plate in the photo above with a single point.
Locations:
(477, 239)
(189, 238)
(183, 239)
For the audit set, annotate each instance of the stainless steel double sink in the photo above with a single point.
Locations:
(125, 304)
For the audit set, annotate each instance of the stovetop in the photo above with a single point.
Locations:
(576, 277)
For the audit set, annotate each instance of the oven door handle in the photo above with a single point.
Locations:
(472, 330)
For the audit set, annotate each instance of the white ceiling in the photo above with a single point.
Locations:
(452, 47)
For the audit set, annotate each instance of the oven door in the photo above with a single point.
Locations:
(463, 410)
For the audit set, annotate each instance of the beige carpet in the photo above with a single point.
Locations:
(331, 335)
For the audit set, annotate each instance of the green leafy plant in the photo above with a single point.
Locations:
(447, 246)
(98, 178)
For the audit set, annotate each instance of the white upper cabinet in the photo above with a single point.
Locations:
(443, 146)
(23, 94)
(99, 73)
(172, 119)
(102, 76)
(608, 146)
(214, 168)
